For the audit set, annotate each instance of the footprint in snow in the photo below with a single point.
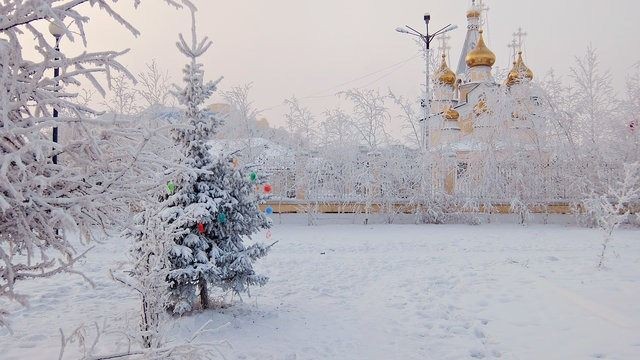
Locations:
(479, 333)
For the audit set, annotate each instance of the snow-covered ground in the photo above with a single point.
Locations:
(389, 292)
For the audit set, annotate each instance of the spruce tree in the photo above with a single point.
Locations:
(213, 201)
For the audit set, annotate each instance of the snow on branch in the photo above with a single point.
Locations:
(47, 207)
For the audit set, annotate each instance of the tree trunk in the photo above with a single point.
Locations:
(204, 293)
(144, 325)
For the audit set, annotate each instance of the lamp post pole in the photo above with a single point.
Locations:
(56, 73)
(57, 33)
(426, 102)
(427, 93)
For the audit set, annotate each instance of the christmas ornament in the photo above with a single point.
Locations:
(268, 210)
(268, 234)
(201, 228)
(171, 187)
(267, 188)
(222, 218)
(253, 176)
(235, 163)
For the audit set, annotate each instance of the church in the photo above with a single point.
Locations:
(472, 113)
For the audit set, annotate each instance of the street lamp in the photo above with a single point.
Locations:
(427, 39)
(57, 33)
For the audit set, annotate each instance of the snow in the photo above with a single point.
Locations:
(352, 291)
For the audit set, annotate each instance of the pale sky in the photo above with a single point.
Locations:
(304, 47)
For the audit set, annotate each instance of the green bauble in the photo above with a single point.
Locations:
(171, 187)
(222, 218)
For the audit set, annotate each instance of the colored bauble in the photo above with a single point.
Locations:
(268, 234)
(171, 187)
(253, 176)
(222, 218)
(201, 228)
(235, 163)
(268, 210)
(267, 188)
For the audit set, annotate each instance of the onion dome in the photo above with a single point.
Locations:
(481, 55)
(445, 76)
(473, 13)
(451, 114)
(519, 72)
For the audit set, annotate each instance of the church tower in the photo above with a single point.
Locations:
(445, 86)
(471, 40)
(479, 61)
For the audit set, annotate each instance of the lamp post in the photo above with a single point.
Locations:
(57, 33)
(427, 39)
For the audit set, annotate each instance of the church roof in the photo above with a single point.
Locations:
(471, 40)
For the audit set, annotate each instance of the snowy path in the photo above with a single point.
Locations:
(396, 292)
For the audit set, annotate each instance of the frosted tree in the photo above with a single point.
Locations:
(410, 119)
(51, 193)
(243, 115)
(595, 100)
(370, 116)
(148, 274)
(242, 121)
(337, 130)
(123, 97)
(153, 85)
(629, 131)
(301, 124)
(214, 202)
(611, 208)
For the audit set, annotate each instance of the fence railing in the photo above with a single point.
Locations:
(293, 206)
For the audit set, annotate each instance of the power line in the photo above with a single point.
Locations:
(399, 64)
(317, 95)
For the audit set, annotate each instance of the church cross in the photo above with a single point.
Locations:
(520, 35)
(483, 8)
(513, 45)
(444, 44)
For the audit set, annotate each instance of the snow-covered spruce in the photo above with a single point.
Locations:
(214, 202)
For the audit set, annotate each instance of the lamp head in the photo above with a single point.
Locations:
(56, 30)
(427, 16)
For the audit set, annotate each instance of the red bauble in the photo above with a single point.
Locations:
(267, 188)
(201, 228)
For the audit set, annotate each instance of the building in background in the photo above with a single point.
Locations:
(473, 114)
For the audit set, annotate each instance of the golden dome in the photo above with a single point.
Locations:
(451, 114)
(444, 75)
(473, 13)
(519, 72)
(481, 55)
